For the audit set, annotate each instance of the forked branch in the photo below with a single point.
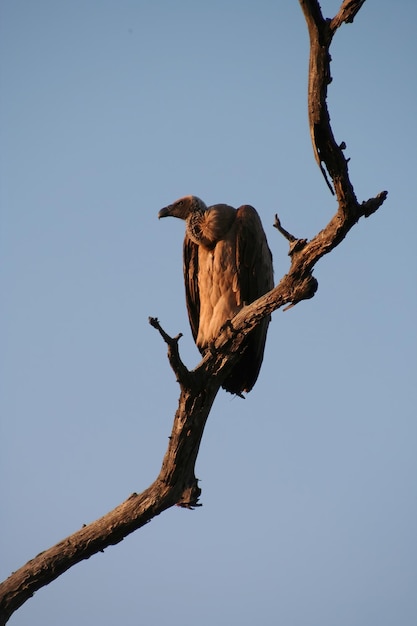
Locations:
(176, 483)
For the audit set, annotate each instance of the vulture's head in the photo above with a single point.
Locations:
(183, 208)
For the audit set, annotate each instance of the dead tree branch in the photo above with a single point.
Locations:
(176, 483)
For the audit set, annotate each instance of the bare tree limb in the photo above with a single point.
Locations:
(176, 483)
(326, 150)
(182, 373)
(346, 14)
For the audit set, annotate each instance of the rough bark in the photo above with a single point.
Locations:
(176, 483)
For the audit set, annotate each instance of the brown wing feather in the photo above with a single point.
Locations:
(253, 256)
(255, 278)
(192, 296)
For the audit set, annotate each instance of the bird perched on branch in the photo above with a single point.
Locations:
(227, 265)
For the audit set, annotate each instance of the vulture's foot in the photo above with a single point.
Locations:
(227, 326)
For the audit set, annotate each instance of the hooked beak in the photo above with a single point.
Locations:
(165, 212)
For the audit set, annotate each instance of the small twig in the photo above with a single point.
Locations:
(281, 229)
(347, 13)
(373, 204)
(154, 322)
(295, 244)
(181, 372)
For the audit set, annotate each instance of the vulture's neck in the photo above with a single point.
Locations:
(208, 226)
(195, 226)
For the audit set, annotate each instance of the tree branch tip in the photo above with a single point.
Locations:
(370, 206)
(281, 229)
(295, 243)
(277, 221)
(346, 14)
(154, 322)
(171, 341)
(190, 507)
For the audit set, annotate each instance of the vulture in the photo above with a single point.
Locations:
(227, 265)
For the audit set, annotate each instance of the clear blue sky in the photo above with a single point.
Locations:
(109, 110)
